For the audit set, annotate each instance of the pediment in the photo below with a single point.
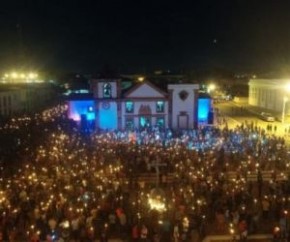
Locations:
(145, 90)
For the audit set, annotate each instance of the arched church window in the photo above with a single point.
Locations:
(107, 90)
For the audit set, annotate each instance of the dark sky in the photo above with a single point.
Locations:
(141, 35)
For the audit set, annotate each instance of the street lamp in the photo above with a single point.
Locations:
(285, 99)
(141, 78)
(211, 87)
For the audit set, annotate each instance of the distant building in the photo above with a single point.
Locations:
(24, 98)
(110, 107)
(272, 94)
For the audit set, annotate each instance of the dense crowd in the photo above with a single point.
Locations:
(58, 184)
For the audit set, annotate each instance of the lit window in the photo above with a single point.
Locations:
(160, 122)
(129, 107)
(159, 106)
(107, 90)
(90, 109)
(129, 123)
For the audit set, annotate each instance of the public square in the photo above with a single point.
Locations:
(149, 185)
(144, 121)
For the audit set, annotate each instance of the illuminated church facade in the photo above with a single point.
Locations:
(143, 105)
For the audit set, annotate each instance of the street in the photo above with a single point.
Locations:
(242, 113)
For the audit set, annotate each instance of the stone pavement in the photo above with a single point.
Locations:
(227, 238)
(223, 238)
(256, 111)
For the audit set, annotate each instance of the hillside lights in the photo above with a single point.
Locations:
(22, 75)
(32, 75)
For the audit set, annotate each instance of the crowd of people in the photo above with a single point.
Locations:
(59, 184)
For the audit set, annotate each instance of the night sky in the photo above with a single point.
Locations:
(140, 36)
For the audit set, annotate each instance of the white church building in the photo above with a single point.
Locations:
(109, 107)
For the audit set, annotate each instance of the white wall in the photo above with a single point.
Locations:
(179, 105)
(107, 118)
(18, 101)
(268, 93)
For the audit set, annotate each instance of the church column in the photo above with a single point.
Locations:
(119, 114)
(97, 114)
(195, 109)
(95, 91)
(170, 108)
(119, 105)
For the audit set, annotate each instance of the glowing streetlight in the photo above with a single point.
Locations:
(14, 75)
(285, 100)
(211, 87)
(31, 75)
(20, 76)
(141, 78)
